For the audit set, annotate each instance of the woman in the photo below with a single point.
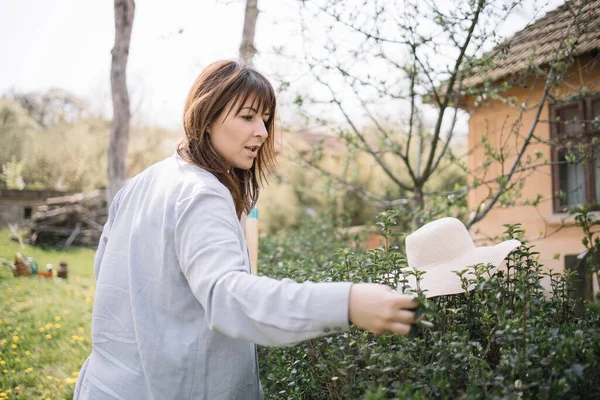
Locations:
(177, 312)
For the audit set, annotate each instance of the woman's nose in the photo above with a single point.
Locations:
(261, 130)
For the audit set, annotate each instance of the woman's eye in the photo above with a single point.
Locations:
(247, 117)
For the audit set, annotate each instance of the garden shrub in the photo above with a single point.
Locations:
(504, 339)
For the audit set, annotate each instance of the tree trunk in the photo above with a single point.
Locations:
(247, 49)
(247, 52)
(119, 134)
(419, 206)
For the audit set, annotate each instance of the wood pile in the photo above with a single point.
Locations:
(69, 220)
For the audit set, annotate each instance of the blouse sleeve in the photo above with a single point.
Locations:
(262, 310)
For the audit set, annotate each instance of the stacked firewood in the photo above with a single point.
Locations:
(75, 220)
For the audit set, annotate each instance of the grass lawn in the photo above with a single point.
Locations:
(45, 324)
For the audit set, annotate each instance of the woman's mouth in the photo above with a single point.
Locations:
(253, 150)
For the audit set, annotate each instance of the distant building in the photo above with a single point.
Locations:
(17, 206)
(565, 122)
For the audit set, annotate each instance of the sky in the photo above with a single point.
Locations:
(67, 44)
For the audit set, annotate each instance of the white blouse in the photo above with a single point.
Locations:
(177, 312)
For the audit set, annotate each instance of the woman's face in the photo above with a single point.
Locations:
(238, 137)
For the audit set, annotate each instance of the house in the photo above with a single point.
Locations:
(561, 166)
(17, 206)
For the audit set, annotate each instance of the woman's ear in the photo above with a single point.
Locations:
(208, 128)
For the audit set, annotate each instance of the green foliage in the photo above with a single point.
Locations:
(16, 133)
(12, 174)
(49, 141)
(506, 338)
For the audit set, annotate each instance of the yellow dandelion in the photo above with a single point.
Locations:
(42, 329)
(48, 325)
(9, 290)
(48, 377)
(2, 362)
(18, 388)
(13, 346)
(65, 312)
(57, 318)
(80, 330)
(8, 391)
(75, 373)
(17, 360)
(70, 381)
(27, 353)
(48, 336)
(16, 339)
(18, 329)
(3, 341)
(4, 371)
(12, 370)
(78, 279)
(57, 326)
(88, 299)
(57, 380)
(28, 370)
(9, 328)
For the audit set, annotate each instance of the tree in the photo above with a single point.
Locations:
(418, 56)
(17, 131)
(119, 134)
(52, 106)
(247, 52)
(247, 49)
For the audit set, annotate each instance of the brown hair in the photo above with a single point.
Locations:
(219, 84)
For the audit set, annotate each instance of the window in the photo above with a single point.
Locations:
(27, 212)
(575, 133)
(582, 282)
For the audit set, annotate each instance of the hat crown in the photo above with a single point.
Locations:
(437, 242)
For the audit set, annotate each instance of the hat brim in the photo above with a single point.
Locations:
(441, 279)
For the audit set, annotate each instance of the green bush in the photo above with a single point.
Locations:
(504, 339)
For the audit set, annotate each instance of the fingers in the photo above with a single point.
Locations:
(401, 317)
(397, 321)
(405, 317)
(380, 309)
(406, 301)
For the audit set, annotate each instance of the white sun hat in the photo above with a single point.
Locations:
(443, 246)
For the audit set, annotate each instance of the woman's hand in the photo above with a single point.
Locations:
(379, 309)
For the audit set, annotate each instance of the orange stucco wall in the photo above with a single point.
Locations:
(495, 119)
